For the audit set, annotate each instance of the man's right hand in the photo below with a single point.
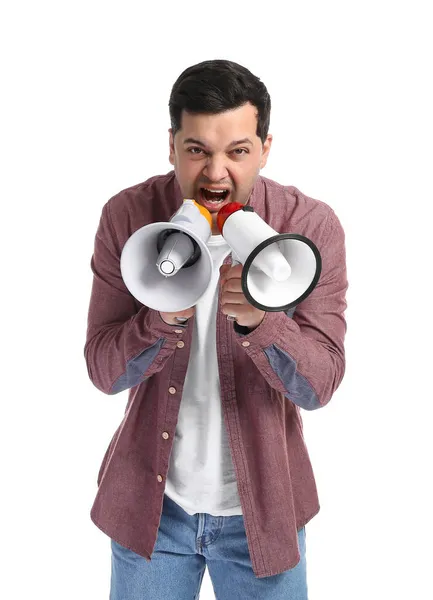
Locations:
(170, 317)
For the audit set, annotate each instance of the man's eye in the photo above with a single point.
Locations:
(192, 150)
(197, 151)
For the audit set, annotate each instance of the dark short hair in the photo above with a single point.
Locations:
(215, 86)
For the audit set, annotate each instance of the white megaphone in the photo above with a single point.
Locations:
(279, 270)
(167, 266)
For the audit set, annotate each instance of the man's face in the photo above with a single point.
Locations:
(218, 152)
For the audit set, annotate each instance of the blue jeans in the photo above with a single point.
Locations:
(184, 546)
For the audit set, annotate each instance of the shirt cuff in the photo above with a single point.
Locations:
(269, 330)
(161, 329)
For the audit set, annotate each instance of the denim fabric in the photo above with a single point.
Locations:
(299, 388)
(136, 367)
(186, 544)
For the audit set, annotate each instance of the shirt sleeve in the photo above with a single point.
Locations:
(126, 343)
(302, 355)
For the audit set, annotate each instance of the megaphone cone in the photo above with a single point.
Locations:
(167, 266)
(279, 270)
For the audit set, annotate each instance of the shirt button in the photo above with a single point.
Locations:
(178, 331)
(245, 344)
(159, 478)
(172, 390)
(165, 435)
(180, 344)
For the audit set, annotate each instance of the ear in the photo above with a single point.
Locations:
(171, 144)
(265, 152)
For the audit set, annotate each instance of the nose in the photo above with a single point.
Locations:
(216, 168)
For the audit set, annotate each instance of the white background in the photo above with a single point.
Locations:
(85, 88)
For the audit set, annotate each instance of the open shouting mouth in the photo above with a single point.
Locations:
(214, 198)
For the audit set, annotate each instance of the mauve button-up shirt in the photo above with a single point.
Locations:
(291, 361)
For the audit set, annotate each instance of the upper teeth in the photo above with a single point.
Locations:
(216, 191)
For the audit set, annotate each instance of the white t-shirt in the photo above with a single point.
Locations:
(201, 476)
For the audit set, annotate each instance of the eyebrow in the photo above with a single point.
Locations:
(234, 143)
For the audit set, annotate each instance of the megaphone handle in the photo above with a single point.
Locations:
(235, 261)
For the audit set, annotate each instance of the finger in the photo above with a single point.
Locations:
(236, 310)
(224, 269)
(232, 285)
(232, 298)
(185, 313)
(234, 272)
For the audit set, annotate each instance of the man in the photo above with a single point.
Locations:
(209, 466)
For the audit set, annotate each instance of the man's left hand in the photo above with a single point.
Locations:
(233, 301)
